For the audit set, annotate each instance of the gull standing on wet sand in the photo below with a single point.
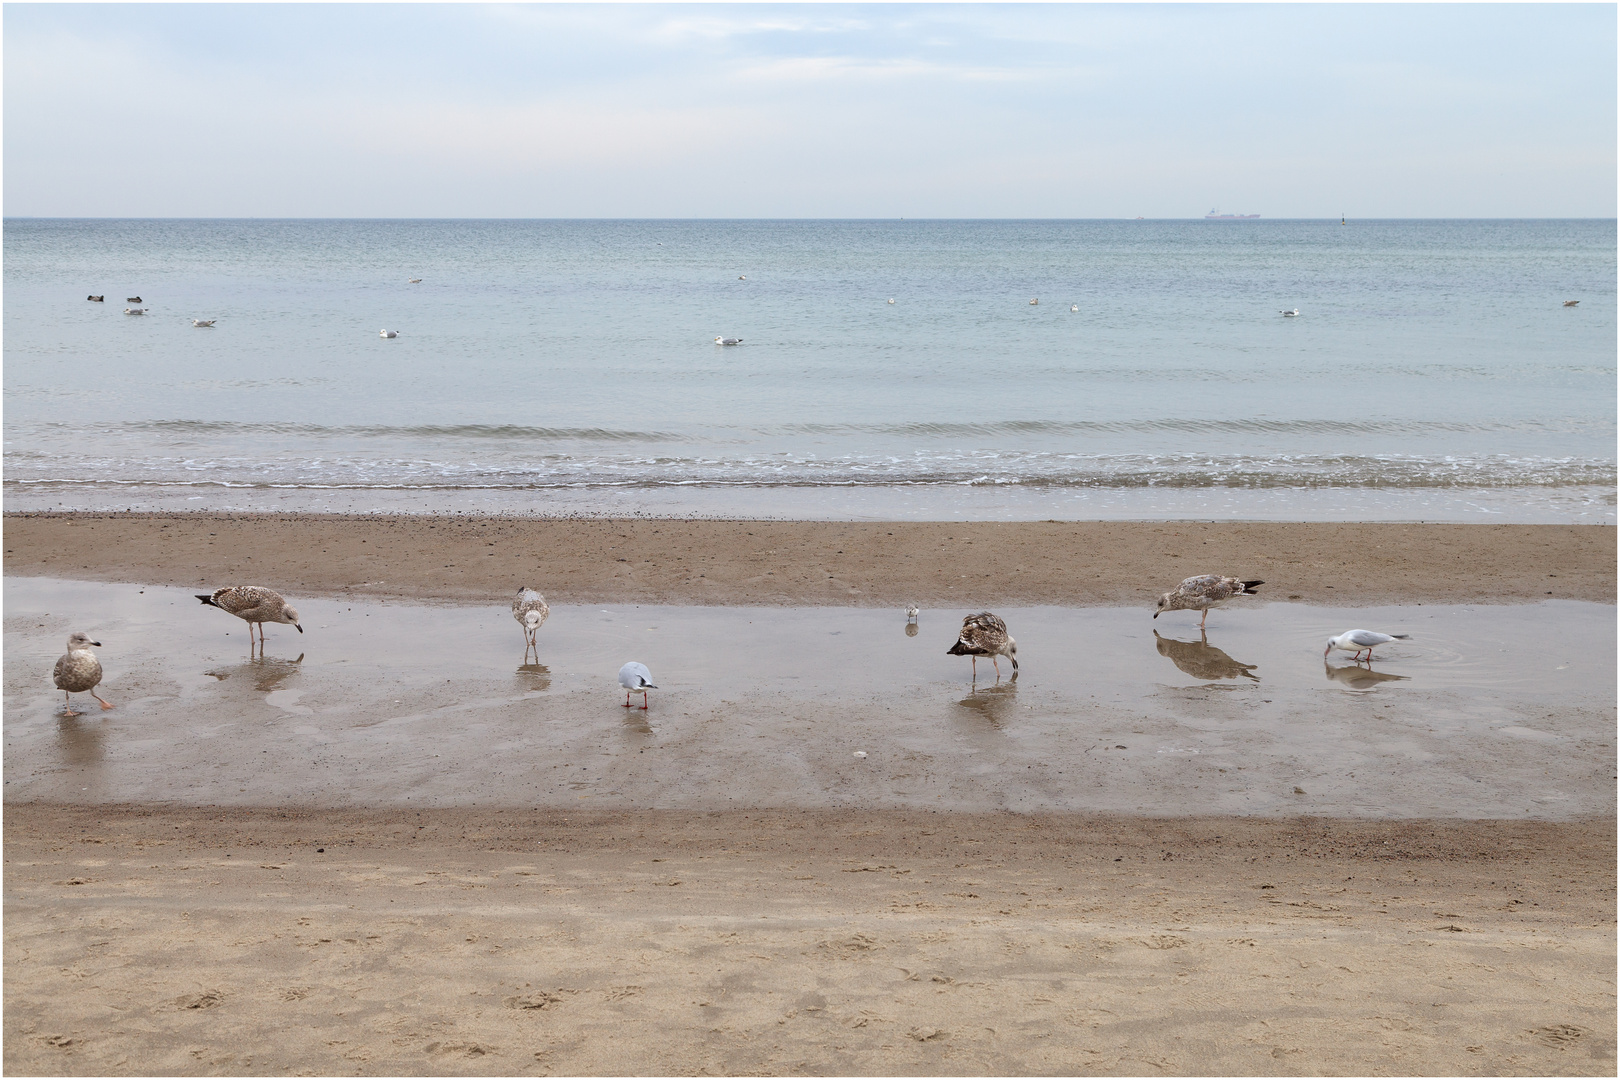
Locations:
(1357, 641)
(254, 605)
(530, 610)
(636, 679)
(78, 672)
(985, 634)
(1204, 592)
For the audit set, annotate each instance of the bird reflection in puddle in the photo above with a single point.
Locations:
(1359, 676)
(911, 629)
(267, 674)
(533, 677)
(80, 741)
(1202, 660)
(994, 702)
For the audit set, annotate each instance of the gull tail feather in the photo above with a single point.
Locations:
(209, 600)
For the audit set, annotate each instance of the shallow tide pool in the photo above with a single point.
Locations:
(1489, 711)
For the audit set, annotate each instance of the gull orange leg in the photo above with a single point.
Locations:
(627, 699)
(644, 701)
(67, 705)
(104, 704)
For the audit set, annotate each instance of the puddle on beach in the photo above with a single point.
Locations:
(1489, 711)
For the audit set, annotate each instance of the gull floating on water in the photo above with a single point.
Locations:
(414, 281)
(530, 610)
(728, 341)
(388, 333)
(97, 299)
(1035, 301)
(78, 671)
(134, 311)
(891, 299)
(985, 634)
(254, 605)
(1290, 313)
(1203, 592)
(202, 322)
(1074, 307)
(1567, 303)
(1357, 641)
(636, 679)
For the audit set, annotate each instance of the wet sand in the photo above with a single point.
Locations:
(1252, 862)
(1489, 711)
(142, 940)
(665, 561)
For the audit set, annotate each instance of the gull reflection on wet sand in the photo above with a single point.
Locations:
(993, 702)
(267, 674)
(1202, 660)
(80, 740)
(1359, 676)
(533, 677)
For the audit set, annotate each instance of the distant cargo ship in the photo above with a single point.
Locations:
(1215, 215)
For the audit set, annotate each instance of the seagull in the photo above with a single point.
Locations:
(728, 341)
(133, 300)
(911, 613)
(1074, 307)
(202, 322)
(1034, 301)
(134, 311)
(1290, 313)
(97, 299)
(78, 671)
(1204, 592)
(530, 610)
(891, 299)
(742, 277)
(252, 604)
(388, 333)
(1355, 641)
(415, 281)
(985, 634)
(1567, 303)
(636, 679)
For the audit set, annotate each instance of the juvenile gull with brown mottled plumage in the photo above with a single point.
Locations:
(1204, 592)
(78, 671)
(985, 634)
(253, 604)
(530, 610)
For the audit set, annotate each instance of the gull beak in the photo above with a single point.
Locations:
(1155, 614)
(300, 627)
(97, 644)
(1328, 649)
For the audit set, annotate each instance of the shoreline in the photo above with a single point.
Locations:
(868, 564)
(258, 942)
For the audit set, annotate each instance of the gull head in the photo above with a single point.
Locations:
(532, 619)
(81, 640)
(290, 615)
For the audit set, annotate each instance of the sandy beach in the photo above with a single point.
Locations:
(1155, 856)
(760, 562)
(145, 940)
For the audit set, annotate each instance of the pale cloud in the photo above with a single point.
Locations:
(761, 110)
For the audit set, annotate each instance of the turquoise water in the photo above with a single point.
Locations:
(569, 366)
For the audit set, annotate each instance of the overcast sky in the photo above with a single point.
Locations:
(738, 110)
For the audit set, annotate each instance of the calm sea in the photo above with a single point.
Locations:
(1432, 372)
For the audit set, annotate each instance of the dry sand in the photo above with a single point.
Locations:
(156, 941)
(150, 940)
(749, 562)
